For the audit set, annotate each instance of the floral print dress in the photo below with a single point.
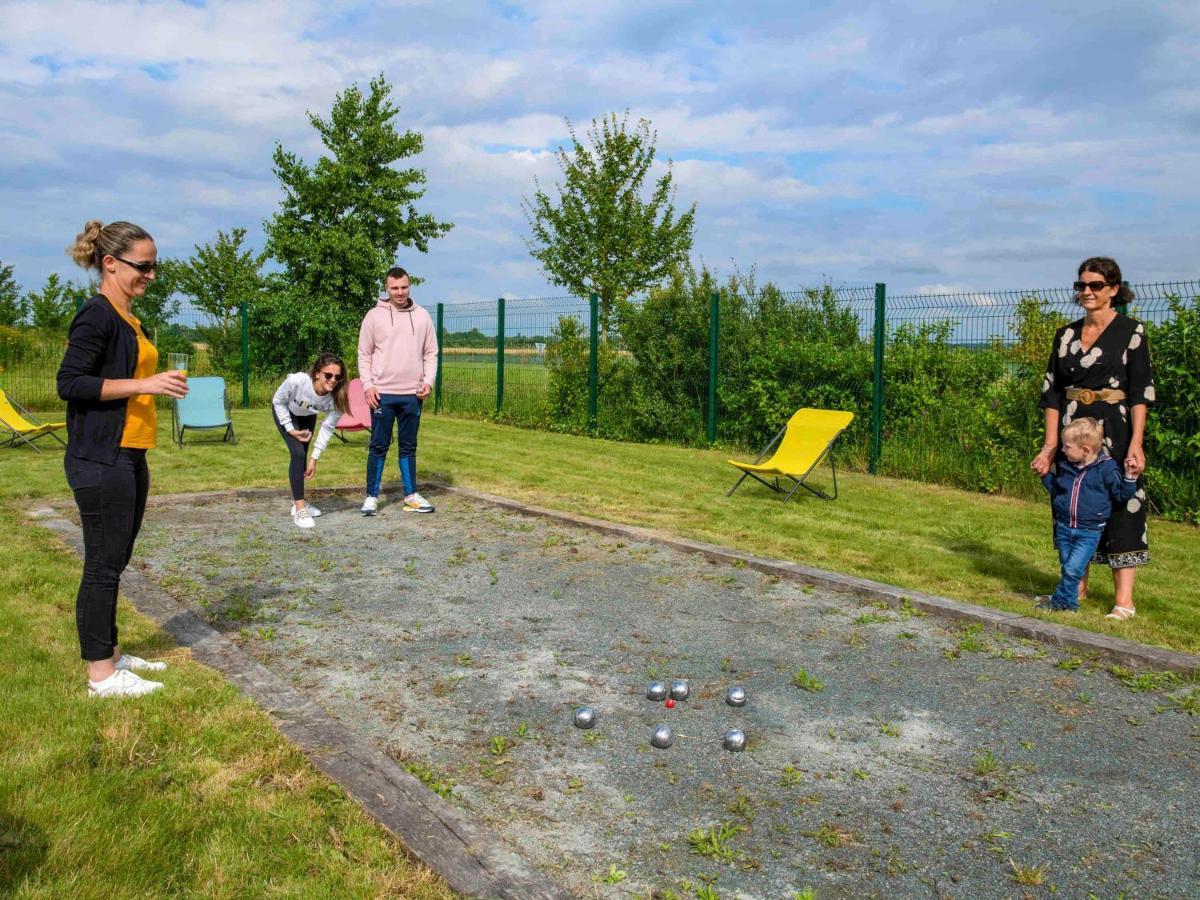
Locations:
(1119, 360)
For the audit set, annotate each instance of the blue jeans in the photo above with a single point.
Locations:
(1076, 546)
(403, 411)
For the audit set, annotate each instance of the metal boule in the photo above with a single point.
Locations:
(585, 717)
(735, 740)
(679, 689)
(662, 737)
(656, 691)
(736, 696)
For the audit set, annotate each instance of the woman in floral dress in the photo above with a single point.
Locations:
(1100, 367)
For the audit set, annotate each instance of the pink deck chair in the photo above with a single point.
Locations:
(359, 417)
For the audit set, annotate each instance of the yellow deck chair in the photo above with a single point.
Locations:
(22, 428)
(799, 447)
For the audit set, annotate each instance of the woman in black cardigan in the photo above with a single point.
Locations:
(108, 379)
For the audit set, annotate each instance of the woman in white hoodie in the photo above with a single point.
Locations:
(294, 407)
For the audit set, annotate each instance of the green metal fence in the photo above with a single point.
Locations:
(943, 387)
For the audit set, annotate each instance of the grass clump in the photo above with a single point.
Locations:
(810, 683)
(714, 842)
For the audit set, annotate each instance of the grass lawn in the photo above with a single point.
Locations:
(193, 791)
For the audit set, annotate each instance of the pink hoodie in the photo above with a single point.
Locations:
(397, 349)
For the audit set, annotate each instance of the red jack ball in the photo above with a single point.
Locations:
(670, 703)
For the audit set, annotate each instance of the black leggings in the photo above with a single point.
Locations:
(297, 449)
(111, 501)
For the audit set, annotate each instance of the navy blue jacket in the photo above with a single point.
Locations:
(1083, 496)
(100, 345)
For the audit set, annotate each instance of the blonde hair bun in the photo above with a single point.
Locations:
(83, 251)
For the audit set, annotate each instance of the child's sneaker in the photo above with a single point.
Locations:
(370, 505)
(312, 510)
(303, 518)
(418, 504)
(1045, 603)
(122, 683)
(136, 662)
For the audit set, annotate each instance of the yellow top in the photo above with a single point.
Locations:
(141, 417)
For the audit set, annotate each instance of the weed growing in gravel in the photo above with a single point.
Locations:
(1070, 664)
(790, 776)
(714, 842)
(463, 659)
(890, 729)
(985, 763)
(742, 808)
(498, 745)
(907, 635)
(1028, 875)
(806, 894)
(1187, 703)
(615, 875)
(1145, 681)
(872, 619)
(971, 642)
(810, 683)
(410, 568)
(907, 610)
(493, 575)
(833, 836)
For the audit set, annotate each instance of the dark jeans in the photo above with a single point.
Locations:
(404, 412)
(297, 449)
(1075, 549)
(111, 501)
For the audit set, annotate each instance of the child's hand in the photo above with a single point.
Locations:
(1131, 468)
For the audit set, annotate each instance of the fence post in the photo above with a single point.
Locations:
(593, 360)
(441, 339)
(714, 332)
(244, 310)
(877, 387)
(499, 355)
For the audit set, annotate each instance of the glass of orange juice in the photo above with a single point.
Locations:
(178, 361)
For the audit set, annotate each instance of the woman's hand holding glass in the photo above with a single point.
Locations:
(167, 384)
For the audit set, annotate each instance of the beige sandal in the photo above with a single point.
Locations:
(1121, 613)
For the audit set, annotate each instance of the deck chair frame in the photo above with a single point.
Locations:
(178, 428)
(40, 429)
(798, 482)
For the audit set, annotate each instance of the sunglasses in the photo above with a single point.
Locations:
(1095, 286)
(144, 267)
(331, 377)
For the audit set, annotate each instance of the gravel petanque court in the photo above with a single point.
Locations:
(889, 753)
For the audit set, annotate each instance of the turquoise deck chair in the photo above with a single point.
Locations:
(205, 407)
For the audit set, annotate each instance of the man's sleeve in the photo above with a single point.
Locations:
(366, 348)
(429, 361)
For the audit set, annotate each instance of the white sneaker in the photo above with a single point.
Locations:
(303, 518)
(136, 662)
(416, 503)
(370, 505)
(122, 683)
(312, 510)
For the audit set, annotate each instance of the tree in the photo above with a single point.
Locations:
(341, 221)
(13, 306)
(219, 278)
(600, 236)
(54, 305)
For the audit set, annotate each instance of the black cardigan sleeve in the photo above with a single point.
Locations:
(87, 346)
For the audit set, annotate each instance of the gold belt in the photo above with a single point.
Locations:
(1087, 396)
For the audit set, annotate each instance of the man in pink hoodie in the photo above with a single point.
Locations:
(397, 362)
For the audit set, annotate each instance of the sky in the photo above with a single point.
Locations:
(934, 146)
